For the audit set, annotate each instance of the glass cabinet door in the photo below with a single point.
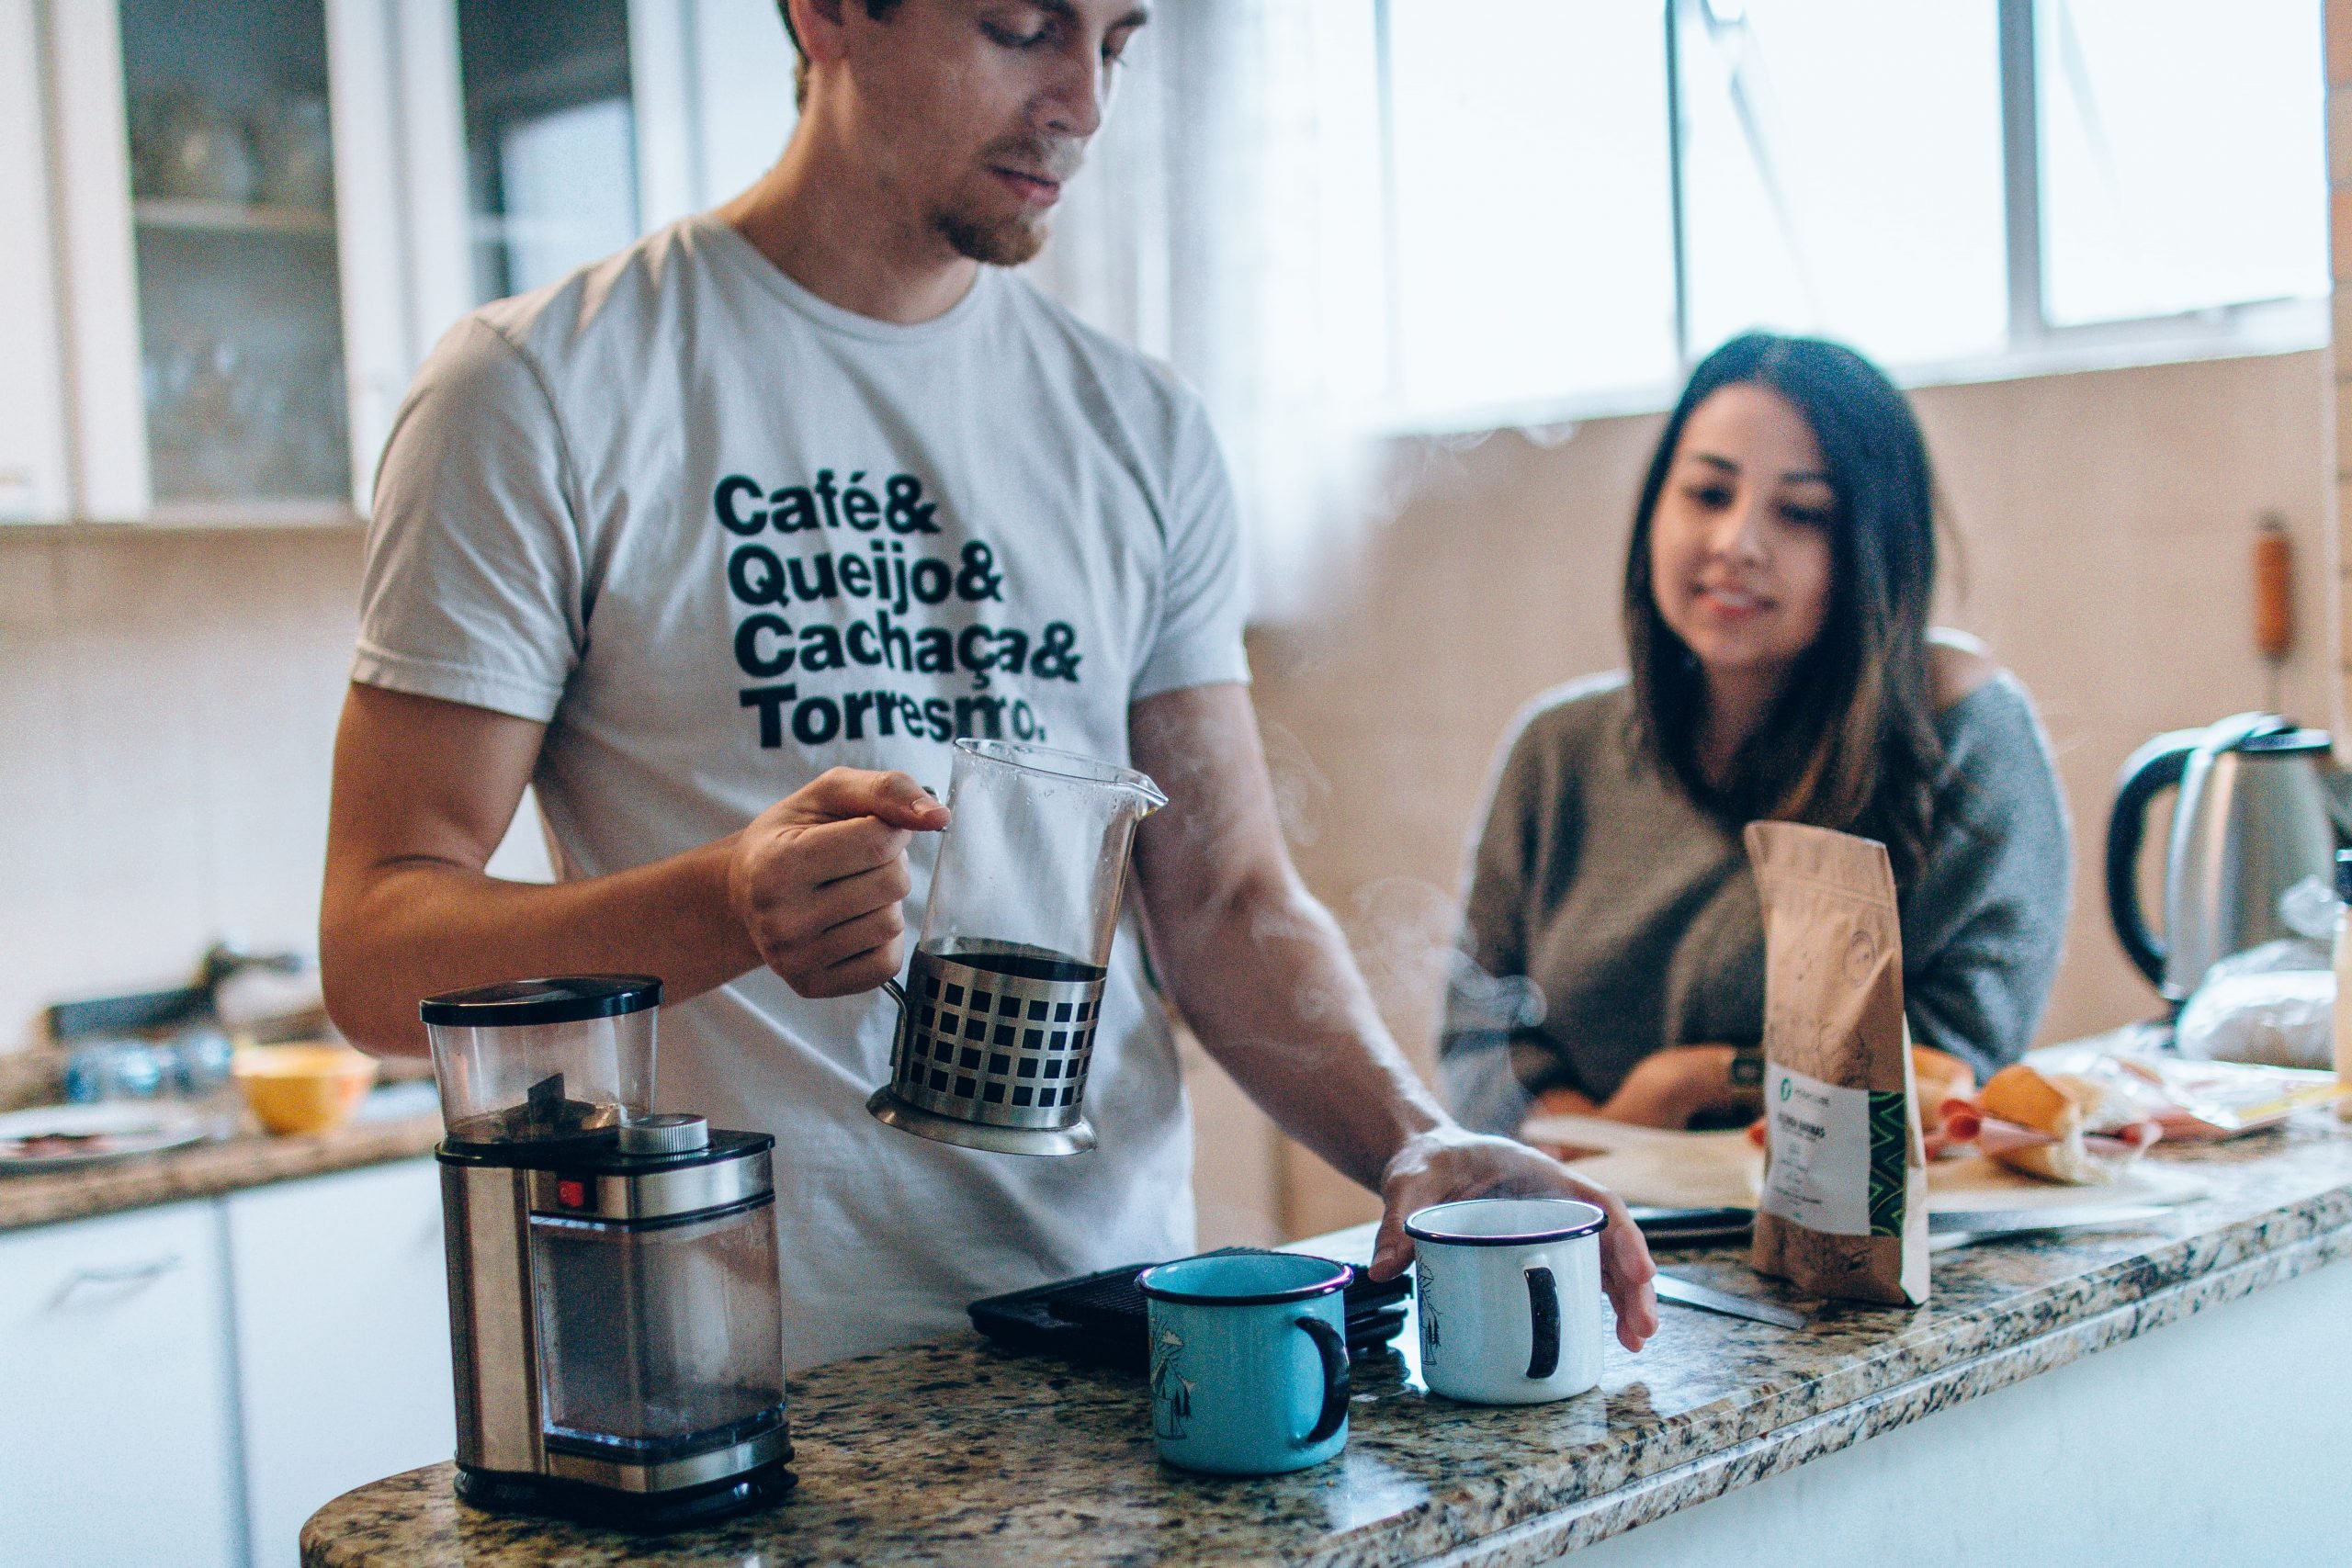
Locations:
(234, 232)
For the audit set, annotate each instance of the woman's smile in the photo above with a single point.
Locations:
(1732, 604)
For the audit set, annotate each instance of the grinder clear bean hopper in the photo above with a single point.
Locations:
(998, 1014)
(614, 1302)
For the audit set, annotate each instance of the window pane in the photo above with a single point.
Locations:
(2182, 155)
(239, 292)
(550, 137)
(564, 208)
(1534, 239)
(1841, 165)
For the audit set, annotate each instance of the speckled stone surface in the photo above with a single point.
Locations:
(205, 1170)
(956, 1453)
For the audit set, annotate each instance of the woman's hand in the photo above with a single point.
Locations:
(1667, 1088)
(1562, 1102)
(1559, 1103)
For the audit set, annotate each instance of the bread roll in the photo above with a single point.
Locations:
(1936, 1077)
(2058, 1105)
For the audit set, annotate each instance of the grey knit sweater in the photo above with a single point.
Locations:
(1608, 917)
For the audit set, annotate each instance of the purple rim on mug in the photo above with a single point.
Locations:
(1319, 1277)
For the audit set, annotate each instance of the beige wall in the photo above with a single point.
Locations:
(167, 700)
(2107, 524)
(166, 705)
(2338, 27)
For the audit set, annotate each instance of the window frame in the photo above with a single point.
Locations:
(2036, 346)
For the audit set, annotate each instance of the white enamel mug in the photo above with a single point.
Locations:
(1509, 1298)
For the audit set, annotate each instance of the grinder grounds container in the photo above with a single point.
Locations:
(614, 1302)
(996, 1018)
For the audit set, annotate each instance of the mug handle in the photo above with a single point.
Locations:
(1543, 1318)
(1332, 1346)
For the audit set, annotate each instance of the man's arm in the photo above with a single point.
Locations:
(424, 791)
(1261, 973)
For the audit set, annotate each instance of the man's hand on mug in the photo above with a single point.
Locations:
(1447, 1163)
(816, 879)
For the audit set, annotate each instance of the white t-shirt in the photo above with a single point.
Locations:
(720, 535)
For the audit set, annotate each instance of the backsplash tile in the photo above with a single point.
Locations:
(167, 709)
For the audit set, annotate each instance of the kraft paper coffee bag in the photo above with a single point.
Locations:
(1844, 1210)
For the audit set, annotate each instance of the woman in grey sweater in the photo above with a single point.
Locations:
(1777, 595)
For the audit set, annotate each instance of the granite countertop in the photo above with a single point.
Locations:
(955, 1452)
(395, 1123)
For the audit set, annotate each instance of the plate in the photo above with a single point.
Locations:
(61, 1137)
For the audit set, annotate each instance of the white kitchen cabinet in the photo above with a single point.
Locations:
(229, 235)
(342, 1341)
(116, 1422)
(32, 376)
(245, 244)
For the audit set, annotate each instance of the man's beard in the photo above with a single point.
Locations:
(1009, 241)
(998, 242)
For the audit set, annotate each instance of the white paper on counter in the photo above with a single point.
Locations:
(1697, 1171)
(1652, 1166)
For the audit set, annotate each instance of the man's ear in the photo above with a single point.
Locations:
(818, 24)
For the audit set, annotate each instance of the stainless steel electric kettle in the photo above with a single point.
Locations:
(2252, 820)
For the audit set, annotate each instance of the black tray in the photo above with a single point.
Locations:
(1664, 1228)
(1100, 1318)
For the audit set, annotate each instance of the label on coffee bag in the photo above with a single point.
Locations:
(1819, 1134)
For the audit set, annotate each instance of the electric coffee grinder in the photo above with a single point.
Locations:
(614, 1318)
(997, 1019)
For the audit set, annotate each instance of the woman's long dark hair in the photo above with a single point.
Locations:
(1851, 742)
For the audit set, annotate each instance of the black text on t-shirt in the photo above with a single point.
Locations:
(889, 571)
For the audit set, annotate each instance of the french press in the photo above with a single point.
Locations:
(998, 1014)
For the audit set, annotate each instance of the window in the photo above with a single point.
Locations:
(1585, 198)
(550, 137)
(2181, 155)
(1532, 220)
(1841, 173)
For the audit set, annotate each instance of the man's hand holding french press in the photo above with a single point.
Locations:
(817, 878)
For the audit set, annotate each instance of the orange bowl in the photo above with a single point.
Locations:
(302, 1089)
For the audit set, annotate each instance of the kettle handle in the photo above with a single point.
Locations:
(2156, 767)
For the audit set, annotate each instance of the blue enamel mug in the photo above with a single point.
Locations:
(1249, 1361)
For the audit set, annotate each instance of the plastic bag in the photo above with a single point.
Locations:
(2274, 1004)
(2310, 908)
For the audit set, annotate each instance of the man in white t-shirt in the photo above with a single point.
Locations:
(718, 543)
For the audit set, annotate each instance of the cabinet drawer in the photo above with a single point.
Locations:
(342, 1333)
(114, 1358)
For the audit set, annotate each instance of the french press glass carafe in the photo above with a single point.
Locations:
(998, 1014)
